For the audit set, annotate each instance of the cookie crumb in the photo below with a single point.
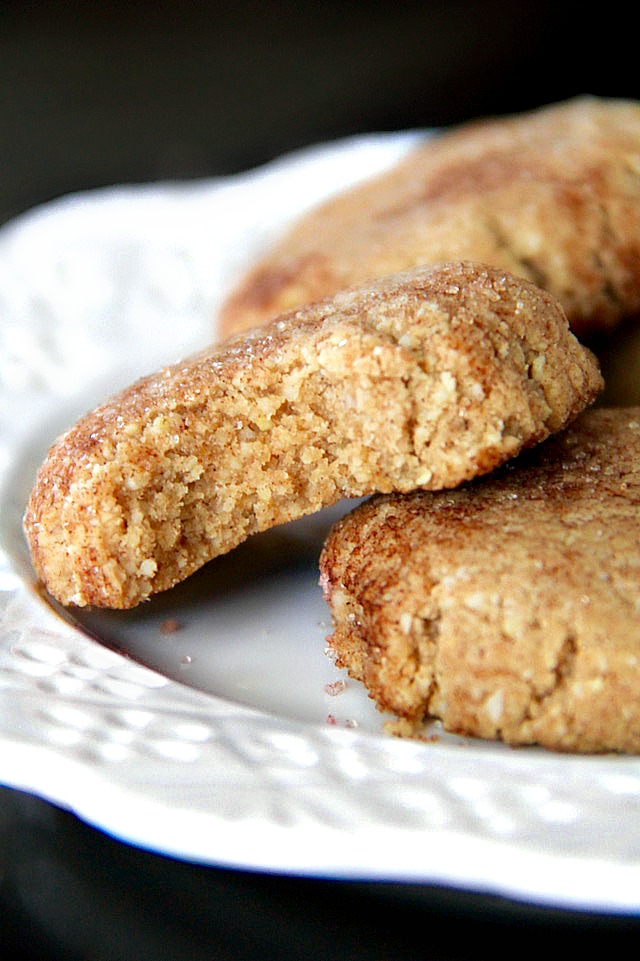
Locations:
(336, 687)
(405, 727)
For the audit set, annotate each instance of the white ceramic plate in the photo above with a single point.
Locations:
(232, 739)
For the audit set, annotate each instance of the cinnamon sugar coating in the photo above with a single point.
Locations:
(510, 607)
(552, 195)
(421, 380)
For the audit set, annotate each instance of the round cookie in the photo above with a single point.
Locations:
(420, 380)
(552, 195)
(510, 607)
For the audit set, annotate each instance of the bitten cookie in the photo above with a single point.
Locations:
(420, 380)
(552, 195)
(510, 607)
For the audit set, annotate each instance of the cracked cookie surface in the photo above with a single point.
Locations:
(510, 607)
(552, 195)
(421, 380)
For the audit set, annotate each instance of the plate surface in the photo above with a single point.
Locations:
(210, 724)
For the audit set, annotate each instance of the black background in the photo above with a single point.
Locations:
(99, 93)
(93, 93)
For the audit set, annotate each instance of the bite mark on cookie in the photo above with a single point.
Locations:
(373, 390)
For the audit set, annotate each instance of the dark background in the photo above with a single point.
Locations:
(93, 93)
(98, 93)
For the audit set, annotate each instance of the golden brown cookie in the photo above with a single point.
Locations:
(552, 195)
(510, 607)
(420, 380)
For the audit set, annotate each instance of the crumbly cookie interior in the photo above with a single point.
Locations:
(421, 380)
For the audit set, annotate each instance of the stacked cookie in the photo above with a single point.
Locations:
(510, 607)
(428, 354)
(420, 380)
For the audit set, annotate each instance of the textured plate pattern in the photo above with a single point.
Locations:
(179, 769)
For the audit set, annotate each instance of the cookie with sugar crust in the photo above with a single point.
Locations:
(508, 608)
(552, 195)
(423, 379)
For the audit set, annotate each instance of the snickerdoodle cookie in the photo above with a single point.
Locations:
(510, 607)
(421, 380)
(552, 195)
